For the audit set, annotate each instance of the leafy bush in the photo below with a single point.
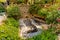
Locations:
(2, 9)
(13, 11)
(12, 22)
(34, 9)
(51, 13)
(52, 16)
(8, 31)
(45, 35)
(43, 12)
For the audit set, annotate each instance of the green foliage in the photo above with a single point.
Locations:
(45, 35)
(8, 31)
(52, 16)
(54, 7)
(34, 9)
(51, 13)
(12, 22)
(13, 11)
(2, 9)
(45, 1)
(43, 12)
(20, 1)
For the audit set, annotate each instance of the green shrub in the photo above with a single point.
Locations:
(52, 16)
(43, 12)
(45, 35)
(8, 33)
(34, 9)
(12, 22)
(51, 13)
(9, 30)
(2, 9)
(13, 11)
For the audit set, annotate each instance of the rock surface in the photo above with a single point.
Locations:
(3, 17)
(30, 28)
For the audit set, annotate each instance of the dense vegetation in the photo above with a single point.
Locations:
(2, 9)
(50, 13)
(9, 30)
(13, 11)
(49, 9)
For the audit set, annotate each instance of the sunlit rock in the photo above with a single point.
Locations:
(2, 17)
(28, 28)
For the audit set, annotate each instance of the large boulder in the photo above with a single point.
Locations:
(27, 29)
